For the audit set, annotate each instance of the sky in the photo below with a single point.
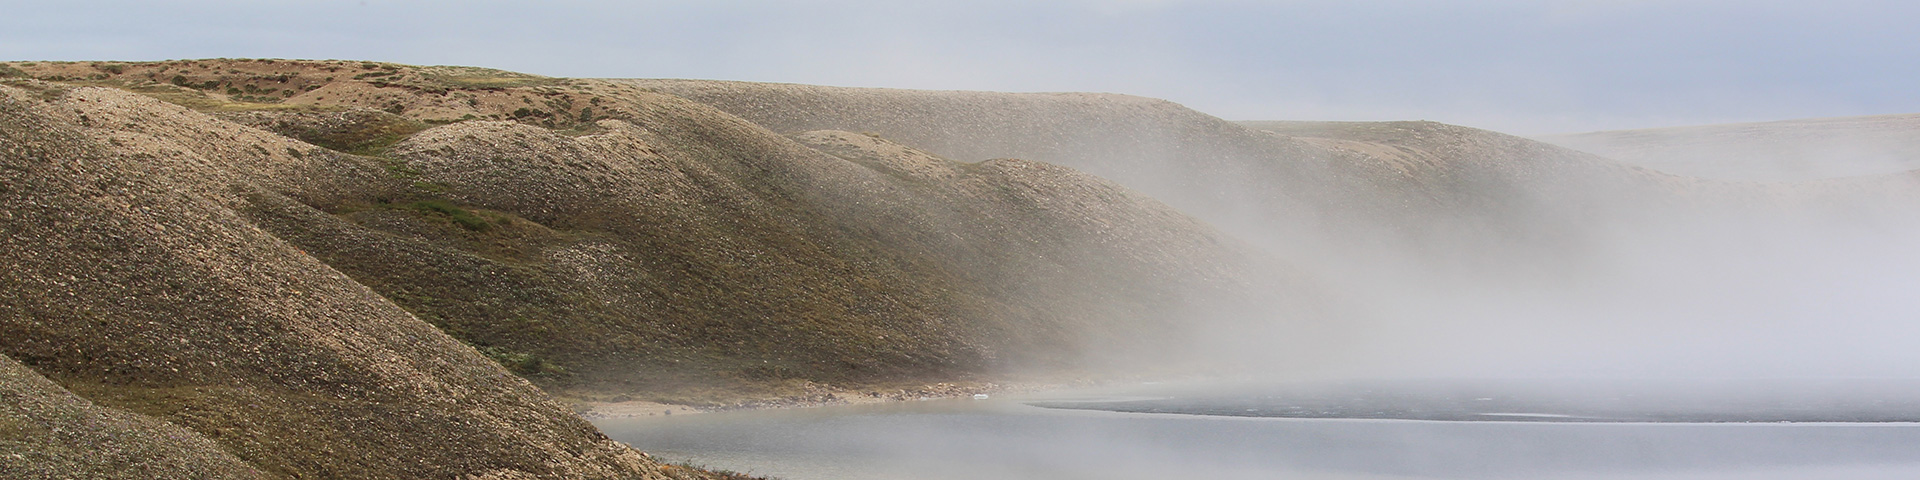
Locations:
(1524, 67)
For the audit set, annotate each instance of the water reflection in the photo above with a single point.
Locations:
(1004, 438)
(1722, 400)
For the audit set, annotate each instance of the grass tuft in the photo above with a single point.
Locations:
(524, 364)
(460, 216)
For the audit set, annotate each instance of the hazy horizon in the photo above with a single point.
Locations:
(1515, 67)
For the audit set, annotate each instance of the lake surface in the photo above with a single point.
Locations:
(1010, 438)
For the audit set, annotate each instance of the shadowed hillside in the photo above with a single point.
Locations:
(1403, 193)
(1435, 193)
(1463, 251)
(49, 432)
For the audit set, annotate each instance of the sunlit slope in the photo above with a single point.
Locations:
(601, 238)
(1790, 150)
(134, 276)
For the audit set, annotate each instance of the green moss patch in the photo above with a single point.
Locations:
(459, 216)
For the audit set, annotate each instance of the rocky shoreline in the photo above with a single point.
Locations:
(818, 396)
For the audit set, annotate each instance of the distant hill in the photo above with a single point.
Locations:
(1789, 150)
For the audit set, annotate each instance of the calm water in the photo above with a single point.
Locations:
(1007, 438)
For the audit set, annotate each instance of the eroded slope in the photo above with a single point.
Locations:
(134, 278)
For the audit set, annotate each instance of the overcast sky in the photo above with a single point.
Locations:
(1515, 66)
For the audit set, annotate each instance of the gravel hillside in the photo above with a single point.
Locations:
(134, 279)
(48, 432)
(359, 270)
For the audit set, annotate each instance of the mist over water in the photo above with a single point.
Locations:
(1770, 288)
(1766, 338)
(965, 439)
(1739, 302)
(1619, 322)
(1442, 303)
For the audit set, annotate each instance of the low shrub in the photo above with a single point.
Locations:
(460, 216)
(522, 363)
